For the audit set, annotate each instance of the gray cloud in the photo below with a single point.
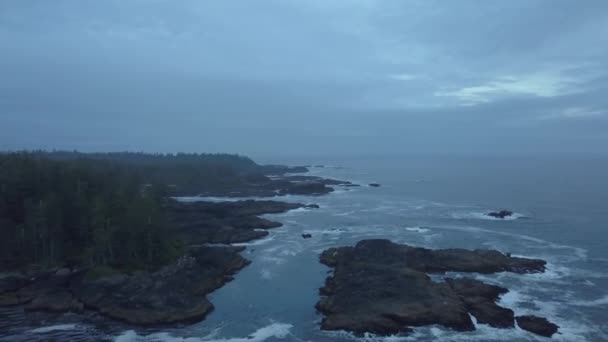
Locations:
(305, 77)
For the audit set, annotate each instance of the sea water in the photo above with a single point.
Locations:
(561, 210)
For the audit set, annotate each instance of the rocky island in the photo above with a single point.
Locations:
(384, 288)
(500, 214)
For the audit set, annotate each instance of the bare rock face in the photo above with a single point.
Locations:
(383, 288)
(538, 325)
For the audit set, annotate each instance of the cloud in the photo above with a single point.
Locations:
(574, 113)
(537, 85)
(324, 75)
(403, 77)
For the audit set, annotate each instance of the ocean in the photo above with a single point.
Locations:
(561, 207)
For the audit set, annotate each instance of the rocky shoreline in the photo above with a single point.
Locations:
(279, 183)
(384, 288)
(226, 222)
(176, 292)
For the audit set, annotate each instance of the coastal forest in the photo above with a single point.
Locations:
(101, 210)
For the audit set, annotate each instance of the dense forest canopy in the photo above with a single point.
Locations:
(102, 209)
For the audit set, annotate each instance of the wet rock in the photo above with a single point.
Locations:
(371, 297)
(225, 222)
(382, 288)
(9, 299)
(306, 236)
(500, 214)
(375, 185)
(62, 272)
(437, 261)
(279, 183)
(176, 293)
(538, 325)
(10, 282)
(59, 300)
(313, 188)
(480, 300)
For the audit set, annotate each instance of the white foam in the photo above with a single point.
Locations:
(348, 213)
(266, 274)
(596, 302)
(258, 242)
(579, 253)
(296, 211)
(417, 229)
(58, 327)
(274, 330)
(367, 337)
(478, 215)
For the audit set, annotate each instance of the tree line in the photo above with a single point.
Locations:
(88, 210)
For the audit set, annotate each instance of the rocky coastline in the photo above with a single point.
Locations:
(176, 292)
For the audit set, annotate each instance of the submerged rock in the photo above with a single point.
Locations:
(538, 325)
(306, 236)
(500, 214)
(381, 287)
(375, 185)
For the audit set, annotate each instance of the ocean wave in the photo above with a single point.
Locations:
(58, 327)
(417, 229)
(274, 330)
(579, 253)
(590, 303)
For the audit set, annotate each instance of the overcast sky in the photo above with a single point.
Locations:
(305, 77)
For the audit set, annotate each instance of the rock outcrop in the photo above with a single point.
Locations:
(500, 214)
(175, 293)
(383, 288)
(538, 325)
(226, 222)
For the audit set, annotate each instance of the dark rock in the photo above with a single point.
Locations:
(382, 288)
(480, 300)
(500, 214)
(44, 285)
(11, 282)
(9, 299)
(306, 236)
(225, 222)
(437, 261)
(368, 296)
(63, 272)
(280, 183)
(538, 325)
(306, 188)
(375, 185)
(176, 293)
(60, 300)
(282, 169)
